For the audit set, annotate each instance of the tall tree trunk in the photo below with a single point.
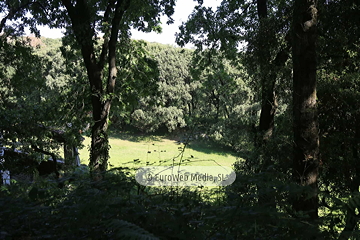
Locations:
(268, 109)
(101, 96)
(99, 152)
(269, 72)
(268, 95)
(268, 104)
(266, 118)
(268, 98)
(305, 122)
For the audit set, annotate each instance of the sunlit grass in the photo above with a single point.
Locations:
(155, 150)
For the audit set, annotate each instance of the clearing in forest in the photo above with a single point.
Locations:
(140, 150)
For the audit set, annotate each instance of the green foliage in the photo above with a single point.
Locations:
(40, 103)
(130, 231)
(118, 208)
(214, 91)
(209, 95)
(138, 80)
(172, 104)
(338, 100)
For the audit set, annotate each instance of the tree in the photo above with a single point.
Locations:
(171, 105)
(270, 66)
(263, 28)
(338, 101)
(222, 97)
(34, 118)
(84, 22)
(273, 50)
(306, 159)
(13, 10)
(117, 17)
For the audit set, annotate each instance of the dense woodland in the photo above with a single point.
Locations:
(276, 81)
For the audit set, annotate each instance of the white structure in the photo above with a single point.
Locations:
(5, 174)
(77, 157)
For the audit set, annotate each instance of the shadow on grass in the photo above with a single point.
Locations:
(135, 136)
(200, 145)
(209, 147)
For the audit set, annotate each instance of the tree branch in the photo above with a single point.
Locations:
(121, 8)
(105, 45)
(68, 5)
(13, 11)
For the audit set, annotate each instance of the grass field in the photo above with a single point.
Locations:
(159, 150)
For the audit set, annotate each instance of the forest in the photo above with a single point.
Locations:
(272, 84)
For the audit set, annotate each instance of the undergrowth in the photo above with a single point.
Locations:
(119, 208)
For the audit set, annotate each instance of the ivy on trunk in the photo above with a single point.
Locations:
(84, 31)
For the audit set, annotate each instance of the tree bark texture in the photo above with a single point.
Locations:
(268, 106)
(269, 68)
(102, 94)
(305, 123)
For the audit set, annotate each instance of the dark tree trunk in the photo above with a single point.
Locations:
(268, 95)
(268, 109)
(268, 104)
(269, 72)
(305, 122)
(99, 152)
(101, 94)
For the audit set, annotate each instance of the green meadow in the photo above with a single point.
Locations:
(141, 150)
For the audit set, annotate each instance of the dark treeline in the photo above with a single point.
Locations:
(276, 81)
